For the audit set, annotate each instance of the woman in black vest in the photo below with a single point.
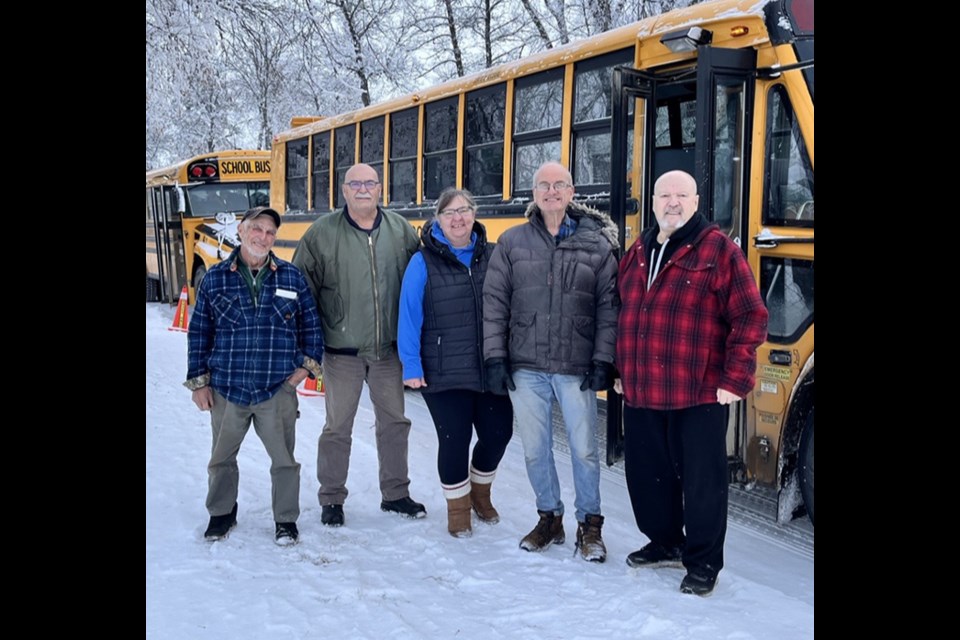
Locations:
(440, 342)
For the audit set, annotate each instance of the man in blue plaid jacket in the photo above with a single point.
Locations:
(254, 336)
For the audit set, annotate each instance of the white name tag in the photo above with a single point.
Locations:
(283, 293)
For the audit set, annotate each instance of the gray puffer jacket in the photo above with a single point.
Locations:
(553, 307)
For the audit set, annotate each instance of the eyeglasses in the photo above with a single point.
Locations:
(463, 211)
(556, 186)
(356, 184)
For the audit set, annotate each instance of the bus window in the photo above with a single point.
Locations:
(439, 147)
(788, 180)
(345, 142)
(728, 156)
(321, 171)
(259, 194)
(787, 289)
(591, 118)
(207, 200)
(483, 173)
(403, 156)
(676, 124)
(297, 175)
(371, 144)
(537, 118)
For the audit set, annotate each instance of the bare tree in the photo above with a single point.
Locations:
(454, 40)
(256, 40)
(357, 26)
(222, 73)
(557, 9)
(190, 106)
(537, 22)
(601, 13)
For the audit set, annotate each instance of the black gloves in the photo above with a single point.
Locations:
(498, 376)
(600, 377)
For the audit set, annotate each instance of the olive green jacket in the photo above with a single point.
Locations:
(355, 278)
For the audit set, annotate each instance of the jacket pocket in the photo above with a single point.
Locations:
(331, 308)
(579, 276)
(285, 312)
(440, 354)
(227, 309)
(523, 338)
(582, 340)
(693, 278)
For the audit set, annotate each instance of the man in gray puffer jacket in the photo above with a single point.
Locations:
(550, 308)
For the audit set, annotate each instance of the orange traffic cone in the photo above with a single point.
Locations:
(180, 317)
(312, 387)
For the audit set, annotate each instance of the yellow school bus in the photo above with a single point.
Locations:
(192, 209)
(723, 90)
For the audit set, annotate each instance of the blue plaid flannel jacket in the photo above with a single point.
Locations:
(246, 351)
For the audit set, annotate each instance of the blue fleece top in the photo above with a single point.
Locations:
(411, 302)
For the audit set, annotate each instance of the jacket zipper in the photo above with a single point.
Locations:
(477, 299)
(376, 294)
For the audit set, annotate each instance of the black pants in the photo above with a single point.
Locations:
(455, 414)
(676, 469)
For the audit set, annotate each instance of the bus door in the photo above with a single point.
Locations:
(695, 119)
(780, 446)
(168, 232)
(632, 104)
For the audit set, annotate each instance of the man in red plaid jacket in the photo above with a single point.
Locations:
(691, 321)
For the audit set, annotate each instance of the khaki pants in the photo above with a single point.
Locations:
(275, 421)
(343, 377)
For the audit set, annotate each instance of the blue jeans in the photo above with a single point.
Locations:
(532, 408)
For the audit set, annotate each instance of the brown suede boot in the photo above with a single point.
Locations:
(480, 499)
(458, 517)
(547, 532)
(589, 542)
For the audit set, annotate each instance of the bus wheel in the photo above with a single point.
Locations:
(153, 289)
(198, 275)
(806, 466)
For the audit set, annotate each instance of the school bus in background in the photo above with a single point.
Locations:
(723, 90)
(192, 208)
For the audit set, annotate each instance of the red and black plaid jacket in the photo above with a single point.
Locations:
(697, 328)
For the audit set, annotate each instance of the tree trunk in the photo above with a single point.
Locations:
(454, 42)
(359, 69)
(556, 9)
(537, 23)
(487, 28)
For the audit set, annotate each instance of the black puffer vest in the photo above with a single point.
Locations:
(452, 335)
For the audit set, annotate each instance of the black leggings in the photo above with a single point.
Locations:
(455, 414)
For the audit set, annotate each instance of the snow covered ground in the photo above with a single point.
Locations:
(381, 576)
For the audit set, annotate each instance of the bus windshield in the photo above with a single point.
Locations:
(207, 200)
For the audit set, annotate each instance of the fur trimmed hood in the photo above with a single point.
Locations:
(578, 211)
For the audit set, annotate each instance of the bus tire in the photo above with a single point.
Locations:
(198, 275)
(153, 289)
(806, 466)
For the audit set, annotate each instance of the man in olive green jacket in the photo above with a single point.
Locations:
(354, 261)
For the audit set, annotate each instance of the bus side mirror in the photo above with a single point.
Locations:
(226, 217)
